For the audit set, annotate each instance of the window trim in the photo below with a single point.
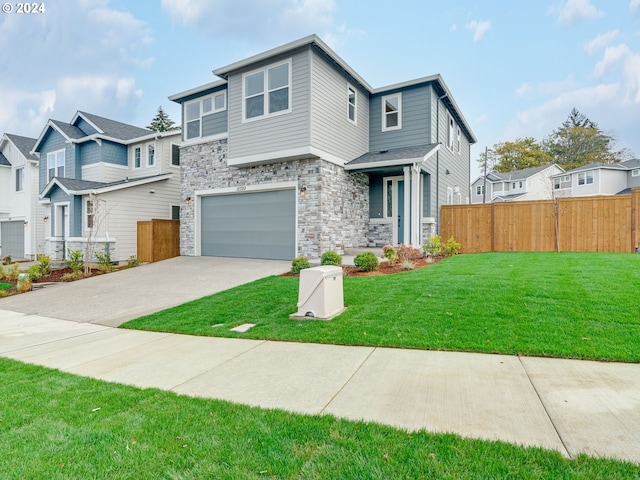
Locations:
(450, 132)
(177, 165)
(150, 146)
(266, 91)
(187, 121)
(171, 207)
(351, 88)
(89, 212)
(137, 161)
(384, 113)
(586, 176)
(480, 190)
(19, 179)
(56, 167)
(635, 172)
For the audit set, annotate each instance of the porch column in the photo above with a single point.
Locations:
(416, 228)
(407, 206)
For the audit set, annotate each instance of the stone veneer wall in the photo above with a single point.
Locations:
(380, 234)
(333, 213)
(54, 247)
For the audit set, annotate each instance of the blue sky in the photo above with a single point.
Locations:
(516, 69)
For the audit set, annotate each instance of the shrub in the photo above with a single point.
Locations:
(34, 272)
(391, 254)
(408, 265)
(407, 252)
(11, 272)
(75, 260)
(44, 264)
(331, 258)
(6, 260)
(433, 246)
(132, 262)
(2, 271)
(366, 262)
(70, 277)
(299, 263)
(105, 265)
(451, 247)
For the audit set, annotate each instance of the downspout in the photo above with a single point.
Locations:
(438, 164)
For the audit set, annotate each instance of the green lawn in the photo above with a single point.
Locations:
(55, 425)
(571, 305)
(6, 286)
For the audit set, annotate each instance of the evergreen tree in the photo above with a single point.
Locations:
(161, 122)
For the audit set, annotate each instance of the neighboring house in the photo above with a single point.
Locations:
(21, 228)
(598, 179)
(99, 177)
(293, 153)
(527, 184)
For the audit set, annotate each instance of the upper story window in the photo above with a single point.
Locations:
(450, 138)
(175, 154)
(267, 92)
(19, 179)
(136, 157)
(392, 112)
(562, 182)
(635, 172)
(352, 112)
(458, 146)
(90, 214)
(196, 109)
(585, 178)
(479, 190)
(55, 164)
(151, 155)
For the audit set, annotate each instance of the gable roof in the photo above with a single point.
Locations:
(3, 161)
(112, 128)
(73, 186)
(600, 165)
(393, 157)
(23, 144)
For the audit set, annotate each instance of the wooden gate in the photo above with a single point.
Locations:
(158, 239)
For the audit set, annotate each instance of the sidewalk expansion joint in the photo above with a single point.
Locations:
(347, 381)
(555, 428)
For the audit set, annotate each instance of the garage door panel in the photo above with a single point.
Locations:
(252, 225)
(12, 239)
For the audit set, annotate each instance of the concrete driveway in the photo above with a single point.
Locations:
(127, 294)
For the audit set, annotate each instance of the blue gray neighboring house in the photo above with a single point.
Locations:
(291, 152)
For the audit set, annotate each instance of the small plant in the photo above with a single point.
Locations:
(6, 260)
(451, 247)
(433, 246)
(44, 264)
(105, 265)
(132, 262)
(75, 260)
(408, 265)
(11, 272)
(391, 254)
(72, 276)
(2, 271)
(331, 258)
(366, 262)
(407, 252)
(299, 263)
(34, 272)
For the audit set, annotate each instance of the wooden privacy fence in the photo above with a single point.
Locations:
(158, 240)
(580, 224)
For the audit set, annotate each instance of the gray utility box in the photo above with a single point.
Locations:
(320, 294)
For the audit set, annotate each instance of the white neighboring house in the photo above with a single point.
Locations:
(519, 185)
(21, 234)
(598, 179)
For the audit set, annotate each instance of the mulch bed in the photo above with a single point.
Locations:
(383, 269)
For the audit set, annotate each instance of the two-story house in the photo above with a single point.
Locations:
(21, 228)
(99, 177)
(598, 179)
(533, 183)
(293, 153)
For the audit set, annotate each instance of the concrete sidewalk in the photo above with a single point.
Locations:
(565, 405)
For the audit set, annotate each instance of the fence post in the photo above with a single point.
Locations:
(493, 227)
(635, 212)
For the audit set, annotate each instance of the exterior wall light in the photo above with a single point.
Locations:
(187, 200)
(303, 191)
(45, 219)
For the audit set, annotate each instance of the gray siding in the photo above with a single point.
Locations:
(114, 153)
(85, 126)
(214, 124)
(276, 133)
(416, 111)
(331, 131)
(89, 153)
(632, 182)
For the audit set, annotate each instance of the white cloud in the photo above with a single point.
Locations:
(523, 89)
(634, 6)
(46, 60)
(600, 42)
(613, 56)
(478, 28)
(270, 19)
(575, 11)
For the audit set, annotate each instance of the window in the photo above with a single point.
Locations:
(449, 196)
(55, 164)
(351, 104)
(192, 118)
(459, 143)
(389, 198)
(151, 155)
(562, 182)
(267, 92)
(585, 178)
(392, 112)
(136, 157)
(450, 133)
(196, 109)
(175, 155)
(479, 190)
(513, 186)
(520, 184)
(19, 179)
(635, 172)
(175, 212)
(90, 214)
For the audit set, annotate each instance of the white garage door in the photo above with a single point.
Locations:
(249, 225)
